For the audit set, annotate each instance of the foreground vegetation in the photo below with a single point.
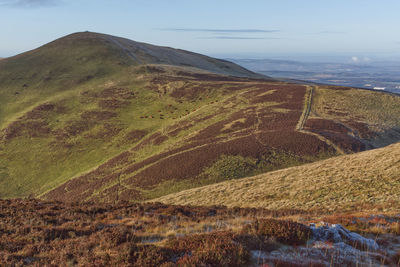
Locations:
(38, 233)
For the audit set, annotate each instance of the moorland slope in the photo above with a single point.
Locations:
(97, 117)
(362, 181)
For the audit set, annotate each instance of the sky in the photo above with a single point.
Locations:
(355, 29)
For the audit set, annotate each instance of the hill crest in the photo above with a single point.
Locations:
(139, 53)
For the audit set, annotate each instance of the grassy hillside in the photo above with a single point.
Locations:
(363, 181)
(82, 58)
(53, 71)
(87, 117)
(208, 129)
(371, 117)
(232, 130)
(66, 102)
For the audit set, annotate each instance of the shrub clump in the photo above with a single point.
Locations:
(286, 232)
(215, 249)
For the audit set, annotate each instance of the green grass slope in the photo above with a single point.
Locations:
(97, 117)
(363, 181)
(77, 59)
(47, 103)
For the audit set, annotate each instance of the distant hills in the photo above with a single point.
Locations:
(366, 74)
(97, 117)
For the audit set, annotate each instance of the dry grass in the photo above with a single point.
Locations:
(367, 180)
(373, 107)
(376, 112)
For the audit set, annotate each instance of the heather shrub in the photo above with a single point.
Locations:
(150, 255)
(286, 232)
(396, 258)
(117, 236)
(215, 249)
(251, 242)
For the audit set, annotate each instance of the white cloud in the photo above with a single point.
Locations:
(355, 59)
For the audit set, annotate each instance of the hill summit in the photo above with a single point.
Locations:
(131, 52)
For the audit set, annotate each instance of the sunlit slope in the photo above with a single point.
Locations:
(366, 180)
(232, 129)
(87, 117)
(83, 58)
(69, 105)
(354, 118)
(210, 129)
(52, 70)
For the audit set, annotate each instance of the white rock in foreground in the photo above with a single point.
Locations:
(330, 244)
(336, 233)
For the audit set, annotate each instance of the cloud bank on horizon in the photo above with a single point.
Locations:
(238, 38)
(219, 30)
(226, 34)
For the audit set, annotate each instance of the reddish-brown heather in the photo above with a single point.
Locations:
(326, 125)
(159, 140)
(135, 135)
(191, 163)
(73, 128)
(286, 232)
(97, 115)
(362, 129)
(43, 233)
(342, 134)
(106, 132)
(174, 129)
(346, 142)
(112, 103)
(122, 93)
(295, 142)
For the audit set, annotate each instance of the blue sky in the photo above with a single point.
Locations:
(252, 28)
